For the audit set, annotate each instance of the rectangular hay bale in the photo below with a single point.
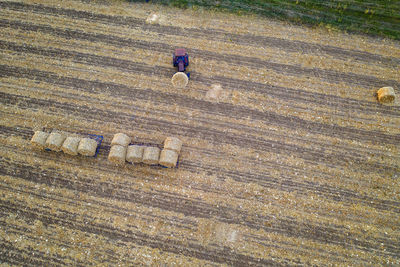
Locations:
(173, 143)
(134, 153)
(151, 155)
(117, 154)
(70, 145)
(121, 139)
(87, 147)
(55, 141)
(39, 139)
(168, 158)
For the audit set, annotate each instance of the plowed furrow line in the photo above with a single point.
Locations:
(327, 75)
(287, 184)
(197, 209)
(296, 95)
(55, 260)
(104, 206)
(220, 255)
(342, 105)
(105, 168)
(61, 259)
(21, 258)
(339, 259)
(221, 35)
(10, 254)
(222, 109)
(72, 217)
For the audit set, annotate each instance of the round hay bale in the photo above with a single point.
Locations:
(117, 154)
(87, 147)
(134, 154)
(386, 95)
(168, 158)
(151, 155)
(121, 139)
(54, 141)
(179, 80)
(173, 143)
(153, 18)
(39, 139)
(70, 145)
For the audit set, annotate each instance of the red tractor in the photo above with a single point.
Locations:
(181, 59)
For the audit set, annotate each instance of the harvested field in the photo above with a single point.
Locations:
(291, 161)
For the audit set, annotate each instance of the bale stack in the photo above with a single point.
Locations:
(119, 146)
(120, 150)
(170, 153)
(68, 143)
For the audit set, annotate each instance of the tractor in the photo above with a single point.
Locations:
(181, 59)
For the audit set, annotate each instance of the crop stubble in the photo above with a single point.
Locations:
(263, 179)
